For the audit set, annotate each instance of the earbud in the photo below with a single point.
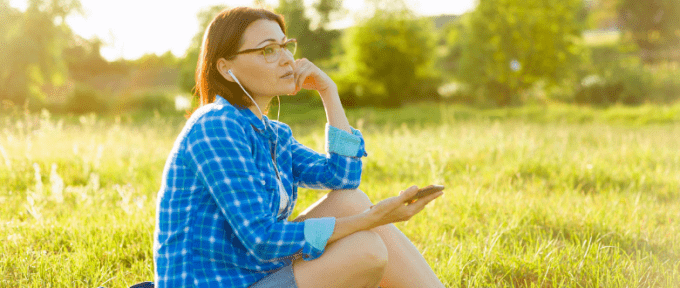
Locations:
(232, 74)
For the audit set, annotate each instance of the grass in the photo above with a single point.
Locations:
(557, 196)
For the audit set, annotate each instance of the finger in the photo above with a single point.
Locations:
(299, 63)
(408, 193)
(296, 71)
(429, 198)
(301, 69)
(303, 75)
(297, 66)
(422, 202)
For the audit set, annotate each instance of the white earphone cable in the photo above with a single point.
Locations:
(262, 115)
(251, 98)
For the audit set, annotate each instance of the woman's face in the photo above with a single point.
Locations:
(257, 75)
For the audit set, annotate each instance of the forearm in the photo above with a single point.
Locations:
(348, 225)
(335, 114)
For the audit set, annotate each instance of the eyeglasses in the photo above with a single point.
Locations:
(272, 52)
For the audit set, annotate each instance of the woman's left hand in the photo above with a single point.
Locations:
(310, 77)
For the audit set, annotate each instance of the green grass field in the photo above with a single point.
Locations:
(557, 196)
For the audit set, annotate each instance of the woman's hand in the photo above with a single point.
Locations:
(310, 77)
(398, 209)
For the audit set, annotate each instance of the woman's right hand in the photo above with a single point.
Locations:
(395, 209)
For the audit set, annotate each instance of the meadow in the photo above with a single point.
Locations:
(556, 196)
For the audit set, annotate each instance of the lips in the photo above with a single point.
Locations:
(288, 75)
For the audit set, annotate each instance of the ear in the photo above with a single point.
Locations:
(223, 65)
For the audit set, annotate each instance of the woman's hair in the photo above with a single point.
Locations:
(222, 39)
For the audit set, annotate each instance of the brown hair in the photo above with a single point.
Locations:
(222, 39)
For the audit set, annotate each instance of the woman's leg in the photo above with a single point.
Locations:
(357, 260)
(406, 267)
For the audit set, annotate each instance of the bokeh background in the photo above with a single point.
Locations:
(381, 53)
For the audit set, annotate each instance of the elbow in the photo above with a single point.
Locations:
(346, 183)
(345, 175)
(352, 184)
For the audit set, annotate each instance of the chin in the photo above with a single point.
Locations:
(288, 91)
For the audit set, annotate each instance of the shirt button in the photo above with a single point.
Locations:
(263, 182)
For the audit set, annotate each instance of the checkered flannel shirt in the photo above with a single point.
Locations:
(217, 216)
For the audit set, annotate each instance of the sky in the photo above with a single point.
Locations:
(132, 28)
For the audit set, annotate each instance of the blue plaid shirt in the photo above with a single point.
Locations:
(217, 218)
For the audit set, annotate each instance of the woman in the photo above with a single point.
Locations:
(230, 181)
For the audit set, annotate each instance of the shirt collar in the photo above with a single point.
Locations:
(250, 117)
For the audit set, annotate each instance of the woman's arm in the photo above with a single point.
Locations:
(308, 76)
(341, 167)
(391, 210)
(335, 114)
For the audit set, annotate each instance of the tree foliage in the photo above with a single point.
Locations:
(652, 24)
(188, 64)
(297, 23)
(512, 44)
(312, 44)
(452, 36)
(389, 59)
(32, 43)
(325, 9)
(602, 14)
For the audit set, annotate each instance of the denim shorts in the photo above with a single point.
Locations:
(283, 278)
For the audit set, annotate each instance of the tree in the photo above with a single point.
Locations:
(32, 43)
(453, 35)
(322, 39)
(325, 8)
(389, 59)
(602, 14)
(13, 86)
(187, 80)
(297, 26)
(653, 24)
(84, 59)
(511, 44)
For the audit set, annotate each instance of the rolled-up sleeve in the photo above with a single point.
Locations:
(220, 152)
(339, 168)
(343, 143)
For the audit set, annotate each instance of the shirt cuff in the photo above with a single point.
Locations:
(343, 143)
(318, 231)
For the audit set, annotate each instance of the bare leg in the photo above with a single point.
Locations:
(357, 260)
(406, 267)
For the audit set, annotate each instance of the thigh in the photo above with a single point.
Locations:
(337, 203)
(357, 260)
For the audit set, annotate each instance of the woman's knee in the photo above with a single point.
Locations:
(357, 260)
(350, 201)
(370, 249)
